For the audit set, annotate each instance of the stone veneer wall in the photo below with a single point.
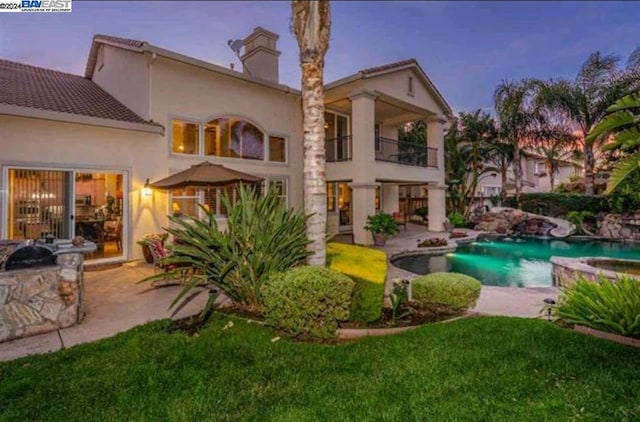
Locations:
(566, 270)
(620, 226)
(39, 300)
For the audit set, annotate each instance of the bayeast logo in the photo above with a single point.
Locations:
(46, 5)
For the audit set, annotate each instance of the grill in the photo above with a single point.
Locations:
(30, 256)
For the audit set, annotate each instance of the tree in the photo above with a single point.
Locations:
(517, 114)
(624, 122)
(468, 145)
(501, 157)
(311, 23)
(555, 148)
(599, 83)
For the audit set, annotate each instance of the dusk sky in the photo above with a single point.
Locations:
(466, 48)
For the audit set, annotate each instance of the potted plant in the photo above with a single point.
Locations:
(381, 226)
(144, 243)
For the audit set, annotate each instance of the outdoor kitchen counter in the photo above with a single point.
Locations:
(42, 299)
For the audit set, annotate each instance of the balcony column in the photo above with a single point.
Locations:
(435, 139)
(363, 163)
(363, 133)
(363, 196)
(390, 197)
(437, 206)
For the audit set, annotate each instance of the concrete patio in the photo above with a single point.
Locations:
(115, 302)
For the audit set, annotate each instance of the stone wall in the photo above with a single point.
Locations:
(620, 226)
(513, 221)
(38, 300)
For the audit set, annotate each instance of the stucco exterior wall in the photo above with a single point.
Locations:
(65, 146)
(125, 75)
(396, 85)
(182, 91)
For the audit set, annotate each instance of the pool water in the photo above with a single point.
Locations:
(521, 262)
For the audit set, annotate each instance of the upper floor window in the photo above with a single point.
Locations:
(185, 137)
(235, 138)
(410, 86)
(277, 149)
(229, 137)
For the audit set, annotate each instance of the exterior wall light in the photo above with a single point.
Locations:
(147, 192)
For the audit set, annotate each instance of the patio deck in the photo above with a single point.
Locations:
(114, 302)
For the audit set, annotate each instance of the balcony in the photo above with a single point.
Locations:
(338, 149)
(388, 150)
(392, 151)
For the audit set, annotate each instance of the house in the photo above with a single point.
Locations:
(535, 177)
(78, 152)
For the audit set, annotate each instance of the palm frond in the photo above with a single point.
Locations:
(622, 170)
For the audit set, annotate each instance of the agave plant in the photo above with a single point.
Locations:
(605, 305)
(263, 237)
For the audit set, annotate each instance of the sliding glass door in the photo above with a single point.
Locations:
(68, 203)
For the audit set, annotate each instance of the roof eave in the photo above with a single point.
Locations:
(360, 75)
(36, 113)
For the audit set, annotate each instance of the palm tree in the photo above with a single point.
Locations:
(555, 147)
(468, 145)
(517, 114)
(599, 83)
(311, 22)
(501, 157)
(624, 121)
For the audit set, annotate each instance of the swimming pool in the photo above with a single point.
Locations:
(510, 261)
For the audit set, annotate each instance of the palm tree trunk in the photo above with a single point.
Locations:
(315, 186)
(589, 165)
(503, 181)
(517, 172)
(552, 177)
(311, 23)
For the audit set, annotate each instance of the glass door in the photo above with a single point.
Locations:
(345, 207)
(99, 211)
(38, 204)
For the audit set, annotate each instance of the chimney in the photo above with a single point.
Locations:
(260, 58)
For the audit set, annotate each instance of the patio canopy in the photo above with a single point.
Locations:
(205, 174)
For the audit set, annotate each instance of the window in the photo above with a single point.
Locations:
(185, 137)
(410, 86)
(378, 198)
(184, 203)
(234, 138)
(280, 185)
(492, 191)
(331, 197)
(277, 149)
(336, 132)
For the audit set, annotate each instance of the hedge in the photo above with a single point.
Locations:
(556, 204)
(367, 267)
(559, 204)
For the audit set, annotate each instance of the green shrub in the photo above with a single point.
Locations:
(381, 223)
(308, 301)
(605, 305)
(555, 204)
(367, 267)
(422, 212)
(263, 237)
(455, 290)
(456, 218)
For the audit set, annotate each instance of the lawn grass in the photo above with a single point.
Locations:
(488, 368)
(368, 268)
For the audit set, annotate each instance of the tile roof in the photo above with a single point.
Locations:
(125, 42)
(45, 89)
(388, 66)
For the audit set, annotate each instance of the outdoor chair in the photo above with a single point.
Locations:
(159, 252)
(401, 219)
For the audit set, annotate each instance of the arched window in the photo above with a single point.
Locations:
(233, 137)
